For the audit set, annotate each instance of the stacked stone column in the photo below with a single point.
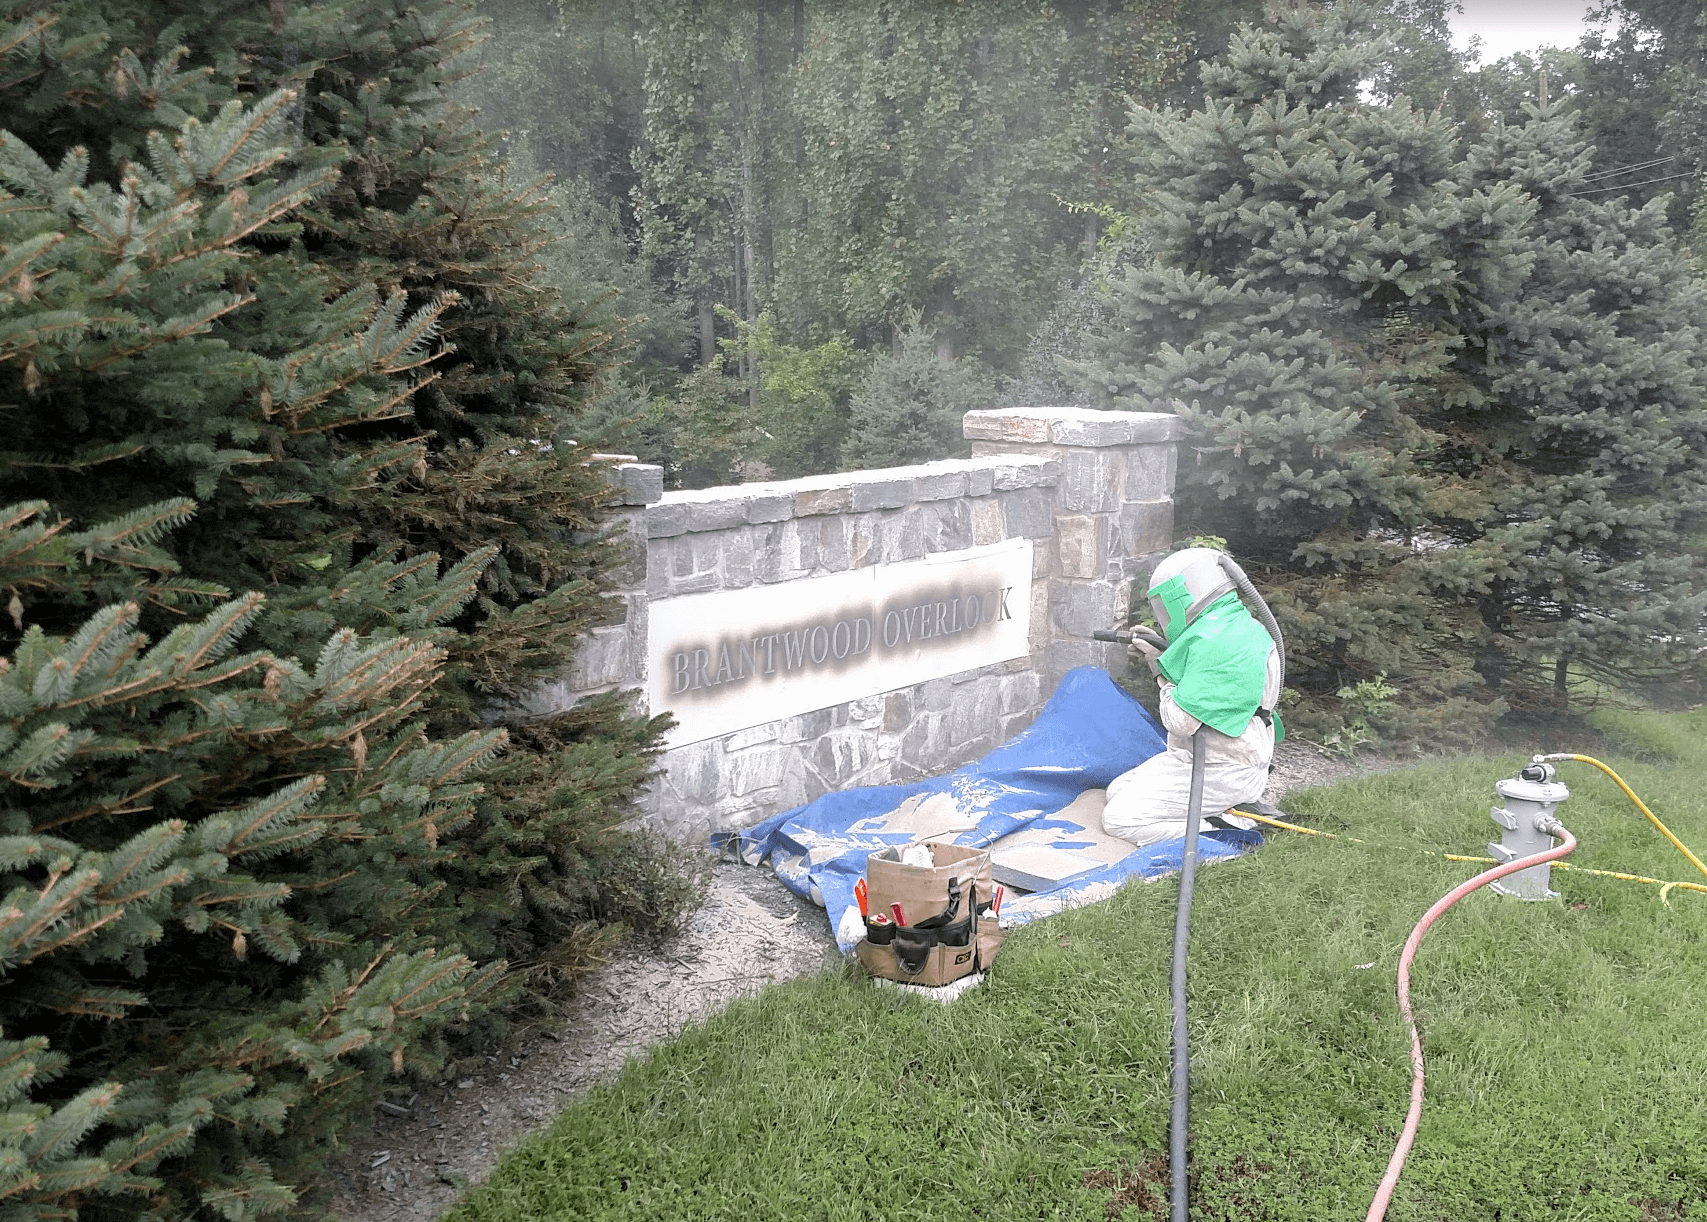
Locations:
(1113, 517)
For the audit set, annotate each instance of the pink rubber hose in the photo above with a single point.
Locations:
(1396, 1164)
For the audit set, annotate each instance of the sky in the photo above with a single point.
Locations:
(1509, 26)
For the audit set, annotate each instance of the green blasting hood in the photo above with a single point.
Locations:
(1218, 662)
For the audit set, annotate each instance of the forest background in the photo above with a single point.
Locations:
(777, 197)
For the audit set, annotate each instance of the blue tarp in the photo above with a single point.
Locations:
(1089, 733)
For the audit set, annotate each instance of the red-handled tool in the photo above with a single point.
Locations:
(895, 910)
(860, 895)
(996, 908)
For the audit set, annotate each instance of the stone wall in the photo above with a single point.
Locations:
(1092, 490)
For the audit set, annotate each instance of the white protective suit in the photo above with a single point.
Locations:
(1148, 804)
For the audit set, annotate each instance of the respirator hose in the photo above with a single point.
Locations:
(1264, 615)
(1179, 1129)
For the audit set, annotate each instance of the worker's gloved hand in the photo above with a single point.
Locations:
(1140, 648)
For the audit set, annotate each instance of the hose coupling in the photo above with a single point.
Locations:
(1547, 825)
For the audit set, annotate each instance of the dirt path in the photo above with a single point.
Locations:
(426, 1147)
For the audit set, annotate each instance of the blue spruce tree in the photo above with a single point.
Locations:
(1345, 306)
(1577, 439)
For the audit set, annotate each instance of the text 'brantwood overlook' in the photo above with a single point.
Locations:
(733, 659)
(841, 641)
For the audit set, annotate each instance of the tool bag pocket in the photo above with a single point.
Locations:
(879, 935)
(945, 937)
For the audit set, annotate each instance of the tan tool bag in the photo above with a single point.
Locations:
(950, 930)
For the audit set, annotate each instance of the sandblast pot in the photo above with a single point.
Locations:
(1530, 796)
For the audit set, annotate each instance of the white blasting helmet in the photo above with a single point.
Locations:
(1184, 584)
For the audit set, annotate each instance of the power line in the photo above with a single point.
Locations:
(1626, 169)
(1631, 186)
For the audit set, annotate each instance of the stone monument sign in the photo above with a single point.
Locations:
(871, 627)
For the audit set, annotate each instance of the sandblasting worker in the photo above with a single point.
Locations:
(1220, 670)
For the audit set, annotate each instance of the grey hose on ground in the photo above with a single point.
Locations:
(1264, 615)
(1179, 1129)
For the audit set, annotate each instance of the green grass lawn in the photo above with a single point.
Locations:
(1567, 1064)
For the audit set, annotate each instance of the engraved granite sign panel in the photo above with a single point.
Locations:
(725, 661)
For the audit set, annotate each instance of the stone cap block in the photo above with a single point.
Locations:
(1071, 426)
(699, 509)
(635, 483)
(940, 486)
(1020, 425)
(715, 512)
(1034, 471)
(663, 521)
(702, 509)
(812, 502)
(890, 489)
(770, 507)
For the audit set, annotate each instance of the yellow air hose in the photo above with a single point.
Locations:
(1640, 805)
